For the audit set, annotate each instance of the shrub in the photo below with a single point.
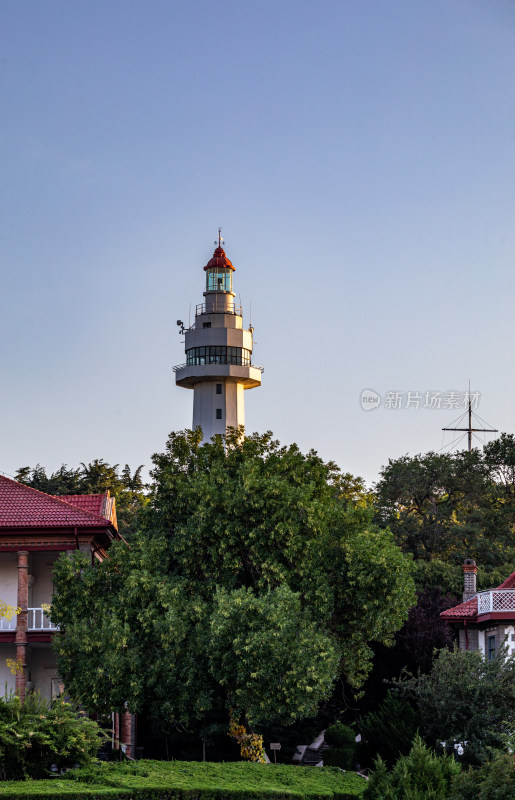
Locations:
(187, 780)
(342, 742)
(494, 781)
(465, 698)
(33, 736)
(390, 731)
(421, 775)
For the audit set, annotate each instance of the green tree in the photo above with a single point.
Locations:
(494, 781)
(419, 775)
(465, 698)
(389, 731)
(33, 476)
(499, 456)
(342, 746)
(451, 506)
(248, 586)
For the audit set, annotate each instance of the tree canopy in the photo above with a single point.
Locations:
(465, 698)
(257, 578)
(447, 507)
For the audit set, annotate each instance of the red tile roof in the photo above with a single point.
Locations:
(24, 507)
(93, 503)
(469, 608)
(509, 583)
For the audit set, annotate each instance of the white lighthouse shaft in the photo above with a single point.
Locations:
(218, 354)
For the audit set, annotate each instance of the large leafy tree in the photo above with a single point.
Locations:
(450, 506)
(256, 580)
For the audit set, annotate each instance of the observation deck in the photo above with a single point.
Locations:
(187, 375)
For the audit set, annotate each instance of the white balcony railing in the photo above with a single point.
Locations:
(37, 620)
(497, 600)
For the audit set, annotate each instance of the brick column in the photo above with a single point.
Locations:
(126, 733)
(21, 623)
(116, 730)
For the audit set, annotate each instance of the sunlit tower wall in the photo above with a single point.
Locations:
(218, 353)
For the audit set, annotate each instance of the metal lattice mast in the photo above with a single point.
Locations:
(469, 429)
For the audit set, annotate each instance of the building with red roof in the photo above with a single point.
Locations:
(484, 621)
(35, 528)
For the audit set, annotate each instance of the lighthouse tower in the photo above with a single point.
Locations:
(218, 353)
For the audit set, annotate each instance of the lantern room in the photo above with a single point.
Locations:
(218, 280)
(219, 271)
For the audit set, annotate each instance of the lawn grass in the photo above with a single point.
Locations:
(191, 780)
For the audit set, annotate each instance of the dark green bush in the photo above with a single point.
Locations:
(421, 775)
(339, 735)
(389, 732)
(342, 743)
(494, 781)
(33, 736)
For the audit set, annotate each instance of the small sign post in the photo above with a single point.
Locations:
(275, 746)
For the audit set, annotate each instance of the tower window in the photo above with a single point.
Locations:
(218, 354)
(219, 388)
(491, 648)
(219, 413)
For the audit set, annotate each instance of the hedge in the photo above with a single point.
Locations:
(187, 780)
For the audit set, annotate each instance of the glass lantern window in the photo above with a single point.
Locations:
(219, 280)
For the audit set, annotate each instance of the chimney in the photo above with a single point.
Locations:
(469, 579)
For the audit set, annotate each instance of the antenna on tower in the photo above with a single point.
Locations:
(220, 239)
(469, 429)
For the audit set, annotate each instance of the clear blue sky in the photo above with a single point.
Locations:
(360, 157)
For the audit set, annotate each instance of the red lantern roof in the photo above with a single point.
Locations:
(219, 260)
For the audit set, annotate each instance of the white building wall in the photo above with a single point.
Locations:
(7, 679)
(42, 668)
(40, 571)
(509, 638)
(41, 661)
(9, 578)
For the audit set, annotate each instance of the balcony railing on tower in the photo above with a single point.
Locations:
(179, 367)
(218, 308)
